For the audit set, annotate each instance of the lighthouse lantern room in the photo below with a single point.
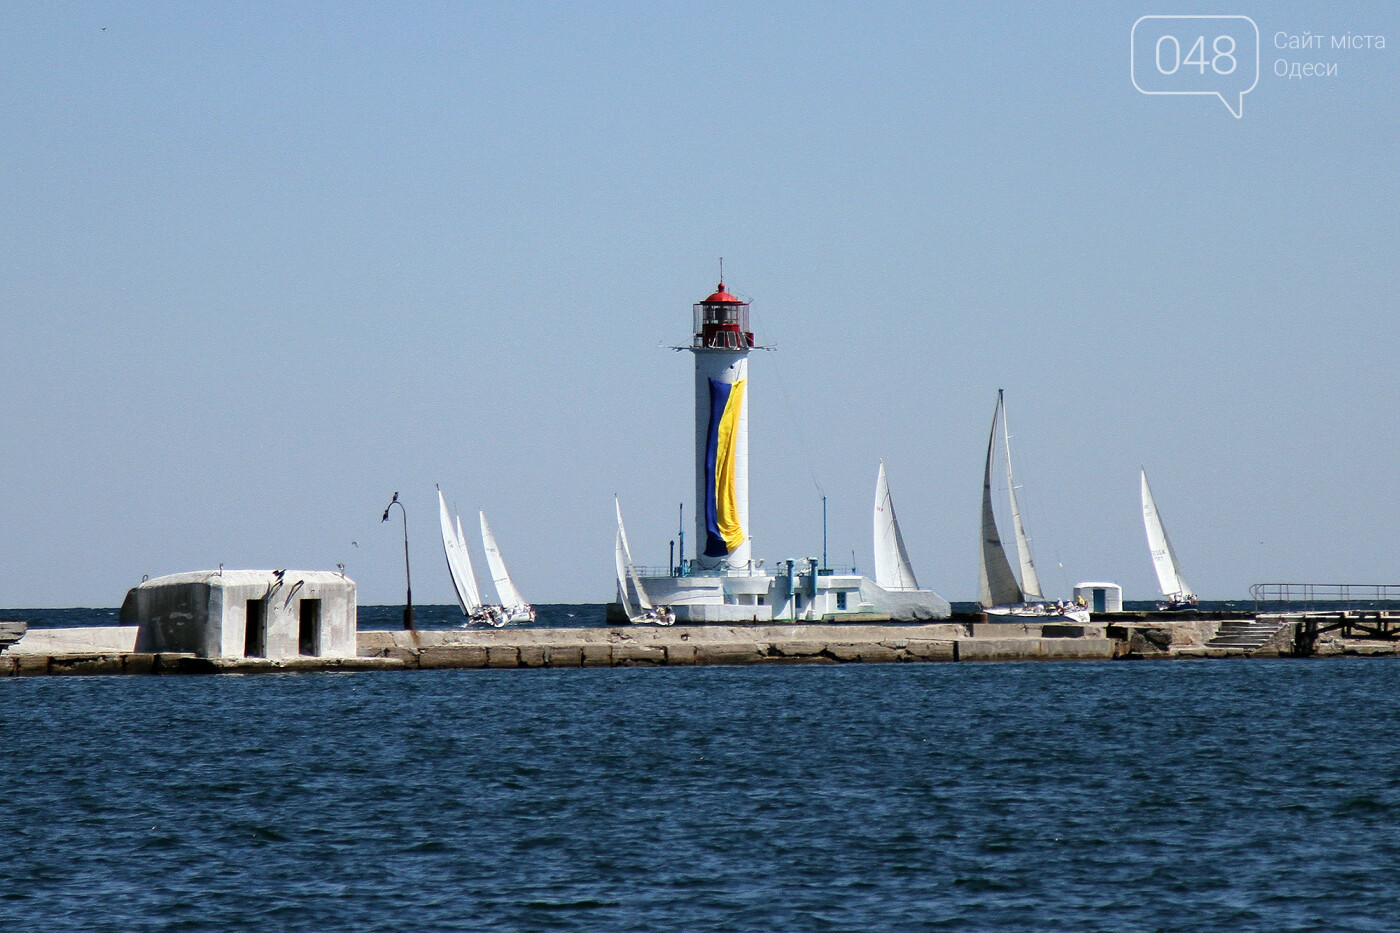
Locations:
(722, 322)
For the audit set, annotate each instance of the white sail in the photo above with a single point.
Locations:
(1163, 556)
(459, 566)
(643, 600)
(997, 584)
(1030, 580)
(468, 572)
(625, 556)
(505, 589)
(892, 568)
(621, 561)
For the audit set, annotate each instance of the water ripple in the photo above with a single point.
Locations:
(1217, 796)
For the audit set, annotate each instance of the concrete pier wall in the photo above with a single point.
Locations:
(720, 644)
(112, 650)
(636, 645)
(94, 640)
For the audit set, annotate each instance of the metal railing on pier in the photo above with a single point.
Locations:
(1325, 597)
(755, 570)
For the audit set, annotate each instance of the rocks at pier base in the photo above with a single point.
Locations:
(444, 656)
(730, 653)
(564, 656)
(802, 651)
(680, 654)
(925, 650)
(502, 656)
(630, 655)
(32, 665)
(291, 665)
(1035, 649)
(1144, 642)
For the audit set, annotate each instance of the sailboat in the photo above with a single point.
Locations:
(892, 568)
(513, 607)
(643, 612)
(999, 592)
(459, 568)
(1174, 585)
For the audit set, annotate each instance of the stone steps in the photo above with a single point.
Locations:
(1249, 634)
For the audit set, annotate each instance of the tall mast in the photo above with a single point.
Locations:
(997, 584)
(1030, 580)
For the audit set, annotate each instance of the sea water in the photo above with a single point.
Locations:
(1230, 795)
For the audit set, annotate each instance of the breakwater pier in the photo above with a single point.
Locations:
(966, 638)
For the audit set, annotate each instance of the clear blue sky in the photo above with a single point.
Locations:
(261, 267)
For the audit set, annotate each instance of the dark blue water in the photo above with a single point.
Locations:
(548, 615)
(1193, 796)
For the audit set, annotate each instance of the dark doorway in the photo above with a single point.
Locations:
(309, 638)
(255, 629)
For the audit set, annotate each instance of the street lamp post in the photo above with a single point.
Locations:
(408, 578)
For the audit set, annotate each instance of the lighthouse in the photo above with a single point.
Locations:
(720, 344)
(724, 582)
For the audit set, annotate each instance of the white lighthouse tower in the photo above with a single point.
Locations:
(721, 343)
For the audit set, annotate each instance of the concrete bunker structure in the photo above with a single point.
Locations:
(272, 614)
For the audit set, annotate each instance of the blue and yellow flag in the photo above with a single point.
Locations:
(723, 532)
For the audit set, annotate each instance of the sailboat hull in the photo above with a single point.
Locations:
(1038, 613)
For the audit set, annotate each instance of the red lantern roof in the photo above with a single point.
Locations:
(722, 297)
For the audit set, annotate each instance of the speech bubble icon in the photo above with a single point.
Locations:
(1213, 55)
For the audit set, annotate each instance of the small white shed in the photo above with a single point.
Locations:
(1101, 597)
(273, 614)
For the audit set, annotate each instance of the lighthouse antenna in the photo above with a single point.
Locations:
(721, 270)
(823, 532)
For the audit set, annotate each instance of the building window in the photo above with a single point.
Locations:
(840, 599)
(309, 636)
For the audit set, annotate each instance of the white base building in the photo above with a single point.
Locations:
(798, 592)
